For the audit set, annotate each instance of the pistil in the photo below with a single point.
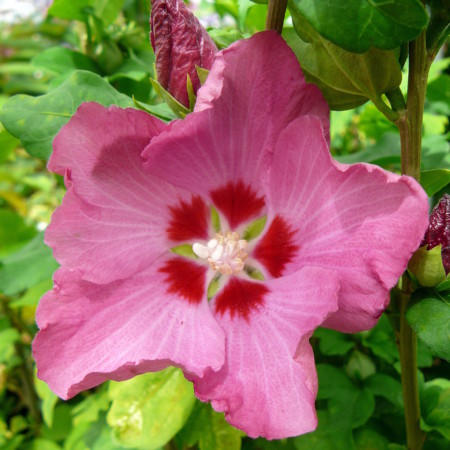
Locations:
(225, 252)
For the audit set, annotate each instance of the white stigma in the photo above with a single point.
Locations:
(225, 253)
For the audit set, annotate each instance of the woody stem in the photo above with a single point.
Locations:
(275, 15)
(410, 128)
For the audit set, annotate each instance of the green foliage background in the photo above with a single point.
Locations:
(99, 50)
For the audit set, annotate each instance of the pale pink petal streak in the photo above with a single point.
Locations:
(90, 333)
(268, 384)
(359, 221)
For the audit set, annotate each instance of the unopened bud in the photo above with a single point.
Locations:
(438, 232)
(180, 43)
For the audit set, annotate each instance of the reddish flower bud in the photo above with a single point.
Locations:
(438, 232)
(180, 43)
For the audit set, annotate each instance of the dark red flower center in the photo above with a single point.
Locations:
(185, 279)
(238, 202)
(188, 220)
(276, 249)
(225, 252)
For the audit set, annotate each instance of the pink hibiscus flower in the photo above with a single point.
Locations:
(336, 239)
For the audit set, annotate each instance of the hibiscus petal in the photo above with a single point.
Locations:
(91, 333)
(359, 221)
(268, 384)
(247, 68)
(235, 139)
(114, 212)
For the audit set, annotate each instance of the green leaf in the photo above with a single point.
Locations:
(99, 437)
(381, 341)
(427, 266)
(348, 407)
(243, 8)
(385, 386)
(37, 120)
(18, 424)
(26, 267)
(17, 68)
(264, 444)
(433, 443)
(424, 355)
(438, 94)
(436, 151)
(48, 403)
(374, 125)
(209, 430)
(439, 26)
(161, 110)
(179, 109)
(61, 60)
(438, 69)
(12, 444)
(386, 148)
(444, 286)
(332, 342)
(68, 9)
(346, 79)
(90, 409)
(359, 366)
(32, 295)
(219, 435)
(136, 67)
(150, 409)
(191, 93)
(357, 25)
(14, 233)
(43, 444)
(75, 440)
(433, 181)
(435, 406)
(8, 338)
(357, 402)
(396, 447)
(224, 38)
(256, 18)
(368, 439)
(108, 55)
(202, 74)
(429, 316)
(7, 145)
(106, 10)
(61, 424)
(434, 123)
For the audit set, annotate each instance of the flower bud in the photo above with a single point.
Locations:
(438, 232)
(431, 262)
(180, 43)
